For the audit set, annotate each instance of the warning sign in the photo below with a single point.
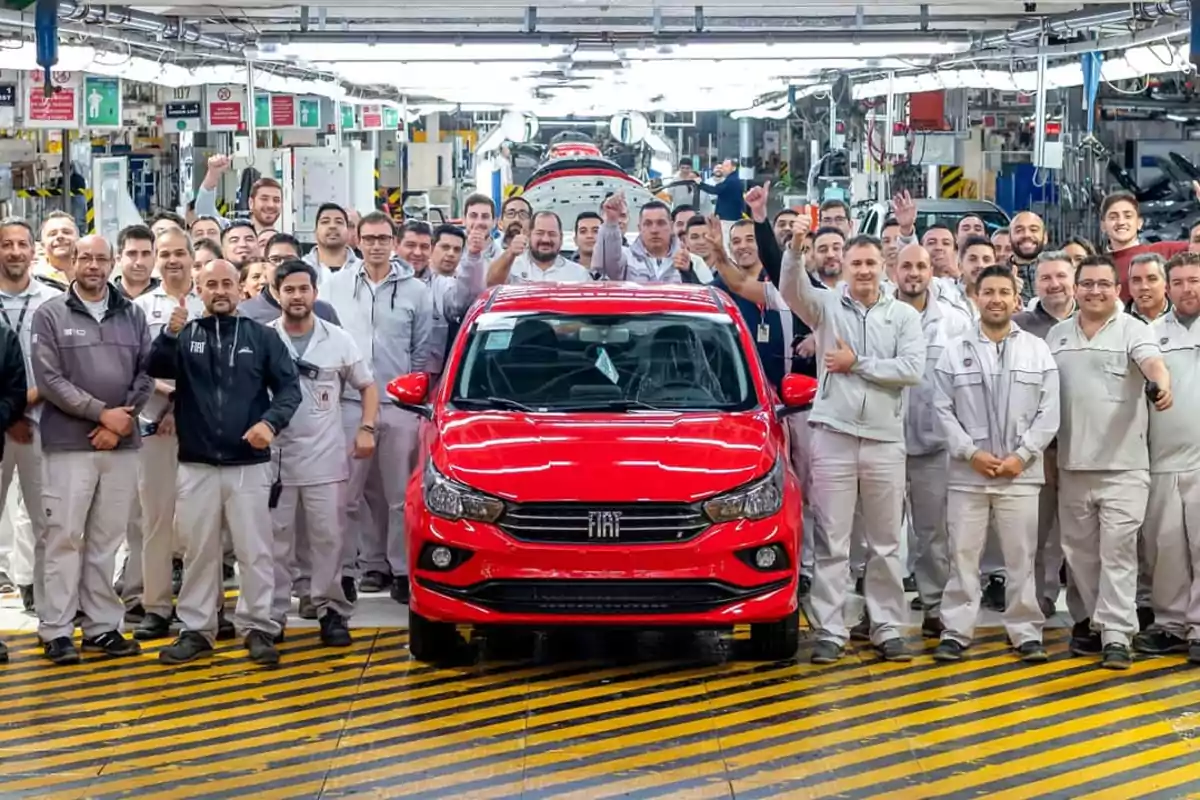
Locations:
(225, 108)
(60, 109)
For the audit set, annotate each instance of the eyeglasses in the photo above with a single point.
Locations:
(516, 214)
(1104, 286)
(834, 220)
(371, 241)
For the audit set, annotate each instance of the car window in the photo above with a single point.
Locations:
(611, 362)
(992, 220)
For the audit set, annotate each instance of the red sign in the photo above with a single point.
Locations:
(58, 107)
(283, 111)
(1053, 128)
(372, 117)
(225, 113)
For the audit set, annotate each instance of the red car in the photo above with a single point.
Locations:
(602, 454)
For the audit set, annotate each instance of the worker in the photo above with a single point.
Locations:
(236, 389)
(1121, 221)
(866, 361)
(59, 235)
(1105, 358)
(1147, 287)
(651, 258)
(997, 400)
(265, 202)
(13, 388)
(1027, 232)
(90, 352)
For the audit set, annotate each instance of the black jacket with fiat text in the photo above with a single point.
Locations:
(230, 373)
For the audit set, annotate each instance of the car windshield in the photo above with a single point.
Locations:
(992, 220)
(610, 362)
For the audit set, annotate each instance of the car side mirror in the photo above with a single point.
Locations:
(409, 392)
(798, 393)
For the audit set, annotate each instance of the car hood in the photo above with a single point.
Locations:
(651, 457)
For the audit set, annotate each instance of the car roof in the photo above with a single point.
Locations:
(605, 297)
(950, 205)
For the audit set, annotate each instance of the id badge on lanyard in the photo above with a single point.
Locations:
(764, 330)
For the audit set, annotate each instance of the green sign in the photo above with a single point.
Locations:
(262, 111)
(391, 118)
(309, 113)
(101, 102)
(347, 117)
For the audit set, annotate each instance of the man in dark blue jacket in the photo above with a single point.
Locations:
(12, 399)
(236, 388)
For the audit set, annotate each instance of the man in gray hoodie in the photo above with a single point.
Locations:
(91, 351)
(870, 347)
(650, 259)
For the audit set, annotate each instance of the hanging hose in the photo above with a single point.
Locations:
(45, 22)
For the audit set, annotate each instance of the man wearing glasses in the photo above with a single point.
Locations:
(91, 351)
(1105, 360)
(264, 307)
(516, 210)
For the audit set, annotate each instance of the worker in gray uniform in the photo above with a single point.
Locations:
(997, 401)
(91, 350)
(1172, 528)
(870, 347)
(1105, 360)
(926, 459)
(311, 453)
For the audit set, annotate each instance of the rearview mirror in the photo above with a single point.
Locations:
(797, 393)
(409, 392)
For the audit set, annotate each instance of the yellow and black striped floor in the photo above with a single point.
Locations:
(371, 723)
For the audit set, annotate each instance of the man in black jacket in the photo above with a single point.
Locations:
(236, 388)
(13, 389)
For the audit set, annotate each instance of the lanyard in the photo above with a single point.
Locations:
(20, 317)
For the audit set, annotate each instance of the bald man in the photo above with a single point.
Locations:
(1028, 235)
(236, 388)
(927, 461)
(91, 349)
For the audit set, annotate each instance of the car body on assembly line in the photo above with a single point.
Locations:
(604, 455)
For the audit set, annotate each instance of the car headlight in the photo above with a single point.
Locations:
(451, 500)
(756, 500)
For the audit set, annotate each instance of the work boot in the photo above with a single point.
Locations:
(400, 590)
(803, 586)
(1048, 607)
(308, 609)
(262, 651)
(188, 647)
(948, 651)
(932, 628)
(894, 649)
(1159, 642)
(1145, 616)
(1033, 653)
(993, 593)
(1194, 651)
(862, 631)
(1116, 656)
(374, 581)
(826, 652)
(228, 576)
(334, 632)
(225, 629)
(111, 643)
(6, 583)
(152, 626)
(1084, 640)
(3, 653)
(135, 613)
(61, 651)
(910, 584)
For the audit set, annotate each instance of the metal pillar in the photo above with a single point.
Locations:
(251, 111)
(746, 148)
(1039, 114)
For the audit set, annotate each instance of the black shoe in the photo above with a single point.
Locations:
(1116, 656)
(858, 587)
(910, 584)
(334, 632)
(225, 629)
(3, 653)
(61, 651)
(280, 637)
(308, 609)
(1033, 653)
(27, 599)
(349, 589)
(1084, 640)
(188, 647)
(374, 581)
(862, 631)
(1145, 618)
(262, 651)
(400, 590)
(826, 652)
(948, 651)
(1194, 651)
(227, 573)
(176, 575)
(1159, 642)
(111, 643)
(894, 649)
(803, 586)
(917, 604)
(135, 613)
(932, 628)
(993, 593)
(152, 627)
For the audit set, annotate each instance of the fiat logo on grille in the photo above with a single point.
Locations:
(604, 524)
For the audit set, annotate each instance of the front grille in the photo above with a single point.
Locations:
(602, 597)
(628, 523)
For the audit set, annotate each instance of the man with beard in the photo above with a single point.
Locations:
(264, 307)
(415, 246)
(925, 448)
(1028, 233)
(835, 214)
(537, 259)
(997, 399)
(135, 246)
(312, 451)
(516, 211)
(90, 352)
(239, 243)
(1002, 241)
(858, 439)
(20, 297)
(1121, 221)
(59, 235)
(1105, 357)
(938, 241)
(1148, 287)
(158, 460)
(1172, 529)
(236, 389)
(265, 202)
(333, 251)
(782, 226)
(587, 228)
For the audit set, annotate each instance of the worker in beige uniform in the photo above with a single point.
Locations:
(1172, 528)
(1105, 359)
(998, 403)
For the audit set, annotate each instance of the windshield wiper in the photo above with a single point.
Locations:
(624, 404)
(492, 402)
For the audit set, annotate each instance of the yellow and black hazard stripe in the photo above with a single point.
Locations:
(90, 215)
(515, 190)
(223, 207)
(951, 181)
(369, 720)
(380, 193)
